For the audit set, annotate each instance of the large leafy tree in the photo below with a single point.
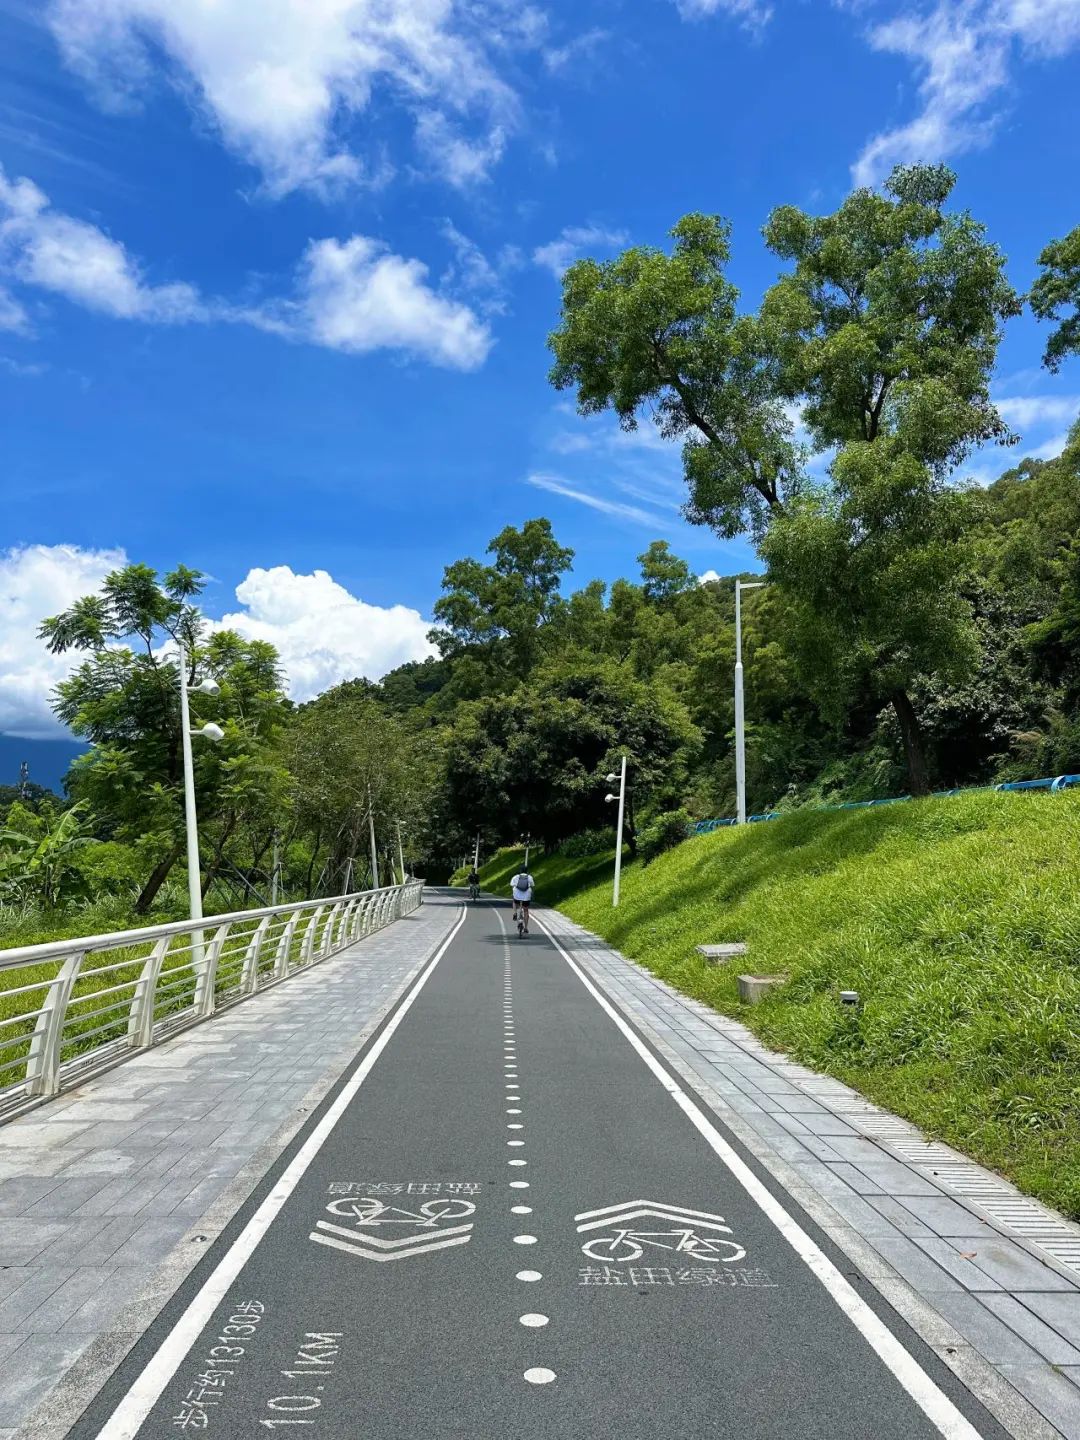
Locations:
(1056, 296)
(496, 614)
(883, 335)
(123, 698)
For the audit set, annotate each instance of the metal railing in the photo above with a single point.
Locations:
(1053, 783)
(71, 1007)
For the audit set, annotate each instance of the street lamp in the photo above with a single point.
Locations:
(209, 731)
(610, 799)
(740, 722)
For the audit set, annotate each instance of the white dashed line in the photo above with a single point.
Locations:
(519, 1184)
(534, 1322)
(539, 1376)
(520, 1209)
(524, 1239)
(529, 1276)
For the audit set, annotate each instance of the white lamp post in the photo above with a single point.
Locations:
(621, 797)
(740, 722)
(210, 731)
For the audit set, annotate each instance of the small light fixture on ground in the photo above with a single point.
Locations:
(850, 998)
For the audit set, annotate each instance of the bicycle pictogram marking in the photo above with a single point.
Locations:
(426, 1228)
(693, 1234)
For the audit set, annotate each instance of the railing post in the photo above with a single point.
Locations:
(330, 930)
(141, 1019)
(43, 1062)
(249, 976)
(281, 959)
(309, 936)
(206, 978)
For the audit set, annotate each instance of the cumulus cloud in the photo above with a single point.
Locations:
(43, 247)
(353, 295)
(963, 52)
(708, 576)
(285, 84)
(35, 581)
(356, 295)
(1027, 411)
(581, 49)
(559, 254)
(323, 633)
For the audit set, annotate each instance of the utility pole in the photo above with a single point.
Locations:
(24, 781)
(476, 856)
(374, 851)
(618, 828)
(528, 841)
(400, 853)
(276, 871)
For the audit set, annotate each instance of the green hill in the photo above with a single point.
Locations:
(957, 921)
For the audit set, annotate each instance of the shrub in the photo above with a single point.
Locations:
(668, 829)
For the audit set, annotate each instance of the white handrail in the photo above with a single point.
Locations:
(159, 979)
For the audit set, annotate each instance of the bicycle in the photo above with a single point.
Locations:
(625, 1245)
(474, 892)
(365, 1210)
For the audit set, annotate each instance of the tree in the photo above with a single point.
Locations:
(124, 699)
(38, 853)
(1056, 288)
(657, 331)
(886, 332)
(498, 612)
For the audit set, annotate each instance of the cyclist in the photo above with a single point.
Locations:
(522, 889)
(474, 884)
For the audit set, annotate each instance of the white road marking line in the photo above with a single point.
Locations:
(539, 1376)
(529, 1276)
(929, 1397)
(524, 1239)
(520, 1209)
(515, 1144)
(394, 1255)
(517, 1162)
(534, 1322)
(129, 1415)
(519, 1184)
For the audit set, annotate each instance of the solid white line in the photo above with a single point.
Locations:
(136, 1405)
(931, 1400)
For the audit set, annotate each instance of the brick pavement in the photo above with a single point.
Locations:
(100, 1186)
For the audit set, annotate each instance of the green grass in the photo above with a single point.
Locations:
(957, 920)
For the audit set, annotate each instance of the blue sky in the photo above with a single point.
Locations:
(276, 275)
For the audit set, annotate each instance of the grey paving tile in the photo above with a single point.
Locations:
(90, 1241)
(98, 1313)
(21, 1238)
(895, 1178)
(916, 1265)
(16, 1196)
(43, 1281)
(1061, 1309)
(34, 1133)
(1054, 1394)
(65, 1300)
(1012, 1267)
(34, 1370)
(8, 1344)
(108, 1163)
(827, 1125)
(995, 1341)
(942, 1215)
(959, 1260)
(897, 1216)
(65, 1198)
(854, 1179)
(1046, 1339)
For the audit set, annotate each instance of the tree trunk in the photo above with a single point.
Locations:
(630, 827)
(914, 748)
(158, 876)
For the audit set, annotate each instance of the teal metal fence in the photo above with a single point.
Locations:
(1052, 783)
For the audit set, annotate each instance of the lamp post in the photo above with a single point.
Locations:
(209, 731)
(526, 840)
(371, 836)
(400, 853)
(740, 721)
(621, 797)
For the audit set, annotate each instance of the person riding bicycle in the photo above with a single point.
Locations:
(474, 884)
(522, 890)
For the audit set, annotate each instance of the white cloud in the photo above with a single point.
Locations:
(1049, 449)
(43, 247)
(12, 314)
(284, 82)
(356, 295)
(963, 51)
(707, 576)
(581, 48)
(557, 486)
(353, 295)
(752, 13)
(472, 273)
(36, 581)
(19, 368)
(323, 633)
(1028, 411)
(559, 254)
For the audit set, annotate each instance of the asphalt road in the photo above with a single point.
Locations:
(510, 1222)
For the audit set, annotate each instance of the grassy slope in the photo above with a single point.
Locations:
(957, 920)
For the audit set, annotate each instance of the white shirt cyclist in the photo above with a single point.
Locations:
(523, 887)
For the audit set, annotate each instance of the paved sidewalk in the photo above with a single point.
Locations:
(998, 1301)
(109, 1193)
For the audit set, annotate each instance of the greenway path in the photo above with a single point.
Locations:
(482, 1186)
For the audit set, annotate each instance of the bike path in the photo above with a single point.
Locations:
(509, 1306)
